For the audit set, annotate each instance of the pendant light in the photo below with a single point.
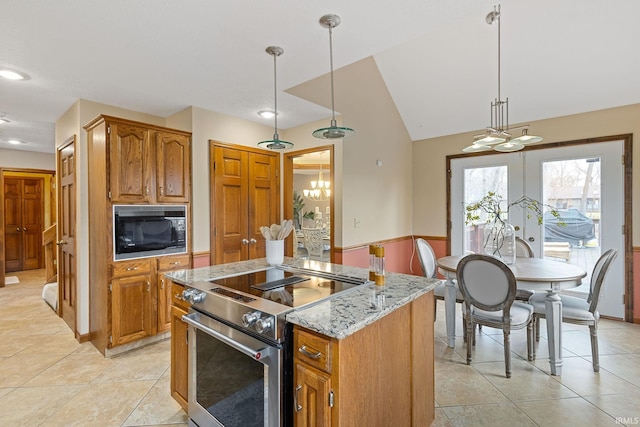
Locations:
(498, 135)
(276, 143)
(333, 131)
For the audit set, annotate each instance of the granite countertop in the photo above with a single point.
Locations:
(336, 317)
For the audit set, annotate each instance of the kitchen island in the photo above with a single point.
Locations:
(361, 357)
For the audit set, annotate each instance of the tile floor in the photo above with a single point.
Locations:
(48, 379)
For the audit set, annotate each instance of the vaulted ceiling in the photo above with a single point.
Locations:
(438, 58)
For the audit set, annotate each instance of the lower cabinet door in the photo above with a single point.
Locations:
(311, 397)
(131, 313)
(179, 357)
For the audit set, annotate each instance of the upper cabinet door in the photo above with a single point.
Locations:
(173, 167)
(130, 174)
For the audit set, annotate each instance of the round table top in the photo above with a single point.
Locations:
(531, 270)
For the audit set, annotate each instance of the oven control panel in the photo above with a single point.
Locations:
(260, 322)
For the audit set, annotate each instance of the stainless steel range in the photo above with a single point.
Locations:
(240, 355)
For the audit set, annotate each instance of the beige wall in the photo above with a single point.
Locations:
(429, 159)
(380, 196)
(26, 159)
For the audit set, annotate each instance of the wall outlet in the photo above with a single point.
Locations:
(356, 222)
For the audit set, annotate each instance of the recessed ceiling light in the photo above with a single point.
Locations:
(12, 75)
(266, 114)
(3, 120)
(15, 142)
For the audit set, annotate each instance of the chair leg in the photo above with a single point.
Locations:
(507, 353)
(435, 311)
(470, 327)
(593, 331)
(537, 321)
(531, 355)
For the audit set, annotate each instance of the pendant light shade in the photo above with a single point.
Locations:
(498, 135)
(276, 143)
(333, 131)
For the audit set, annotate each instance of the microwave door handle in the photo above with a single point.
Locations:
(191, 320)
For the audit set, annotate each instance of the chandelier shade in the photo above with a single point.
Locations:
(276, 143)
(333, 131)
(498, 135)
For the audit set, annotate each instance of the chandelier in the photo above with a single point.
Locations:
(498, 135)
(276, 143)
(320, 189)
(333, 131)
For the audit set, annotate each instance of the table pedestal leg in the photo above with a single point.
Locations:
(553, 312)
(450, 311)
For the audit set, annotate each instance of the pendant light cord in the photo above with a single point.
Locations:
(333, 109)
(275, 99)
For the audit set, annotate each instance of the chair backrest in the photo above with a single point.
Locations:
(523, 249)
(427, 258)
(486, 283)
(313, 241)
(597, 277)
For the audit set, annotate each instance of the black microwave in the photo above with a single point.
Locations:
(149, 230)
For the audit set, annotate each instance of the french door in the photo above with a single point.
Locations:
(585, 183)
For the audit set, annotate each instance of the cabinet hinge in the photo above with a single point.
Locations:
(110, 339)
(109, 195)
(277, 173)
(331, 399)
(108, 130)
(215, 231)
(110, 287)
(622, 229)
(214, 165)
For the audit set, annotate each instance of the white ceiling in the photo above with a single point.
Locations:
(438, 58)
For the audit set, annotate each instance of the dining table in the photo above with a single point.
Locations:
(534, 274)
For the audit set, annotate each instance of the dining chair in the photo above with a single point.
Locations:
(578, 310)
(489, 290)
(427, 258)
(523, 250)
(313, 242)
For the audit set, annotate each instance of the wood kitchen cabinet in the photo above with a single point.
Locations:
(164, 296)
(131, 309)
(148, 165)
(380, 375)
(245, 195)
(132, 163)
(179, 349)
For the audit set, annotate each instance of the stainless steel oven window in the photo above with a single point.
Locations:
(234, 379)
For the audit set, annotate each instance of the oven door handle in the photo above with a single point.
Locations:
(191, 319)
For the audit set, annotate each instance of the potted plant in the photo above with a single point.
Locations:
(498, 234)
(298, 211)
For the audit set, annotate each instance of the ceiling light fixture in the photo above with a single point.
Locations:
(266, 114)
(276, 143)
(499, 134)
(3, 120)
(333, 131)
(319, 189)
(14, 142)
(12, 75)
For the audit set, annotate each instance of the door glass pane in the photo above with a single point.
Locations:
(573, 188)
(477, 183)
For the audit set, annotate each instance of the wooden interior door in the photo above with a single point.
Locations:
(245, 195)
(23, 209)
(67, 233)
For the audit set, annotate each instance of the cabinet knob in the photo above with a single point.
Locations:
(161, 283)
(245, 242)
(253, 241)
(17, 228)
(24, 229)
(146, 189)
(161, 191)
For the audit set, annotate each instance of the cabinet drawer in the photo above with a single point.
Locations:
(130, 268)
(176, 296)
(167, 263)
(313, 350)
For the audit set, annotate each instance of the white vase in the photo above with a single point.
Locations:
(500, 241)
(275, 252)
